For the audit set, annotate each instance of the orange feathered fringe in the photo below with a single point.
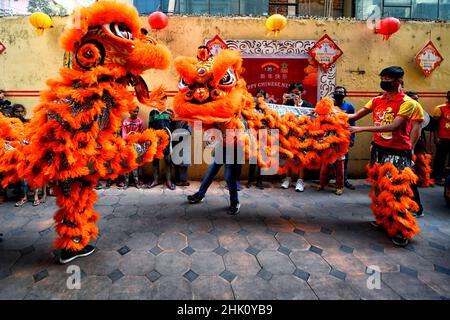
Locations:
(422, 169)
(73, 138)
(307, 141)
(391, 199)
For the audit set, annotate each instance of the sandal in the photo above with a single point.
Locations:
(43, 200)
(20, 203)
(36, 203)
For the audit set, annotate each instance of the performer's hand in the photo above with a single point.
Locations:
(352, 143)
(355, 129)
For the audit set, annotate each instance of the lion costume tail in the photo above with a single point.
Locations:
(392, 202)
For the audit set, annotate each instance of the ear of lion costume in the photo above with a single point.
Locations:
(73, 135)
(213, 91)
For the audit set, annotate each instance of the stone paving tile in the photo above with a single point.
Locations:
(207, 263)
(344, 262)
(172, 263)
(359, 284)
(201, 241)
(233, 242)
(252, 288)
(172, 241)
(142, 241)
(263, 241)
(370, 257)
(100, 263)
(292, 241)
(241, 263)
(322, 240)
(164, 289)
(94, 288)
(131, 288)
(439, 282)
(327, 287)
(227, 226)
(112, 240)
(289, 287)
(200, 225)
(409, 287)
(310, 262)
(212, 288)
(137, 263)
(15, 287)
(275, 262)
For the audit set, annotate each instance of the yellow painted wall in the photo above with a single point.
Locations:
(31, 59)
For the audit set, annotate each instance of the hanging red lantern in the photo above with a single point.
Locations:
(158, 20)
(387, 27)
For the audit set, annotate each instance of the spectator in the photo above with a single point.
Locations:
(181, 169)
(162, 120)
(132, 124)
(442, 139)
(5, 105)
(294, 98)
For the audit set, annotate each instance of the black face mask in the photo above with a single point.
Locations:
(339, 96)
(386, 85)
(448, 98)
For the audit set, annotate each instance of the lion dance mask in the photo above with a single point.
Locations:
(72, 138)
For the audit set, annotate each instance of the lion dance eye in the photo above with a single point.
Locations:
(182, 85)
(229, 78)
(120, 30)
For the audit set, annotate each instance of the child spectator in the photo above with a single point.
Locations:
(132, 125)
(162, 120)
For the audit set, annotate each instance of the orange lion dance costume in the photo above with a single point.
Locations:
(72, 136)
(212, 90)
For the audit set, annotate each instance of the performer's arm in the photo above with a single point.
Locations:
(358, 115)
(416, 127)
(395, 125)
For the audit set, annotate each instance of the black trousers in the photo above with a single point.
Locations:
(442, 152)
(181, 173)
(251, 173)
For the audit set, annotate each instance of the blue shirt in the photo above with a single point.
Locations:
(348, 108)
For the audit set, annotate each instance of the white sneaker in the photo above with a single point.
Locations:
(299, 186)
(286, 183)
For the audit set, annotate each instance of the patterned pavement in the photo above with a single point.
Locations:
(283, 245)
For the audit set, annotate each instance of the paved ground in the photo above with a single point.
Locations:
(283, 245)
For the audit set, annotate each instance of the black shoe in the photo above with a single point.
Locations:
(375, 224)
(248, 185)
(400, 241)
(195, 198)
(99, 186)
(260, 186)
(67, 256)
(234, 209)
(348, 185)
(418, 215)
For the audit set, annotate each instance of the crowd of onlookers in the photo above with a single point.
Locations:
(177, 175)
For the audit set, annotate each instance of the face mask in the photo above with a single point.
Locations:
(339, 96)
(386, 85)
(448, 98)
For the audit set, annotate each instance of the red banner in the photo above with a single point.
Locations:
(274, 75)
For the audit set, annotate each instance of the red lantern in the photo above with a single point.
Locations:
(158, 20)
(387, 27)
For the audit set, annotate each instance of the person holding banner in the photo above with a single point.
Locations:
(294, 98)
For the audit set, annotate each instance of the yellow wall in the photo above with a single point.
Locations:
(31, 59)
